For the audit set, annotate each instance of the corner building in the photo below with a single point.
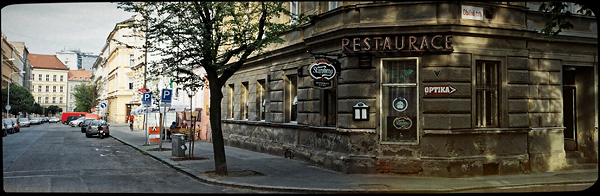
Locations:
(450, 89)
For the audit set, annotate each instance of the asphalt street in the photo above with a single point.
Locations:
(59, 158)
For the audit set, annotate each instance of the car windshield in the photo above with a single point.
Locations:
(87, 121)
(23, 119)
(53, 118)
(81, 118)
(98, 122)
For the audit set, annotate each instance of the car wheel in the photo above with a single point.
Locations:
(88, 135)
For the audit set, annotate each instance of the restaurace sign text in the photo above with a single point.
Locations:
(397, 44)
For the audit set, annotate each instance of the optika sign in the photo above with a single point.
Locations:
(439, 90)
(397, 44)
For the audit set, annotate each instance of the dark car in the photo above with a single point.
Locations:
(95, 127)
(86, 123)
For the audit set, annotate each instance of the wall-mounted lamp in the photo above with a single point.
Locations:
(361, 111)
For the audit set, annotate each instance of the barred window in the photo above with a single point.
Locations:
(487, 93)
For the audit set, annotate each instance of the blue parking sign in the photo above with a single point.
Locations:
(165, 96)
(146, 99)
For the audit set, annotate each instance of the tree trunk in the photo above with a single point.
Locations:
(215, 122)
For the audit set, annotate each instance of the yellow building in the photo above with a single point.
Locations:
(119, 76)
(49, 80)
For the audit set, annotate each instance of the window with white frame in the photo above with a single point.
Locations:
(131, 60)
(294, 10)
(333, 5)
(399, 91)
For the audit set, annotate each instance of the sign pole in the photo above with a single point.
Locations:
(146, 127)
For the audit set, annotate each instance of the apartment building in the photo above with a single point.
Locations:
(49, 80)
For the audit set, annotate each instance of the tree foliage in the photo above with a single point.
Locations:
(87, 94)
(52, 110)
(558, 17)
(21, 99)
(216, 36)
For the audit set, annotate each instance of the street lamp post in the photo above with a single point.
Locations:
(2, 62)
(8, 93)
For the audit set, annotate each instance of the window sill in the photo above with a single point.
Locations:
(298, 126)
(477, 131)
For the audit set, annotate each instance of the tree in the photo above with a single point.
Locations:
(87, 94)
(37, 109)
(53, 109)
(216, 36)
(21, 99)
(557, 14)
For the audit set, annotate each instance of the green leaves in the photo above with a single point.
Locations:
(86, 95)
(21, 99)
(557, 14)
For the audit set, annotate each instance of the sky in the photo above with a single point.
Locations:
(47, 28)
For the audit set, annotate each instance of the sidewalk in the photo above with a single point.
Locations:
(281, 174)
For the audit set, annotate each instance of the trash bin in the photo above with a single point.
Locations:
(178, 145)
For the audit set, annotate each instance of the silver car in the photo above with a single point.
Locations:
(24, 122)
(97, 127)
(53, 120)
(75, 123)
(35, 121)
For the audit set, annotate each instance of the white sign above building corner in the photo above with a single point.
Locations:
(471, 12)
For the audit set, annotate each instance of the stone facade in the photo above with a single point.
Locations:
(526, 137)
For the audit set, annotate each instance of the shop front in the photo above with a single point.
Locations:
(416, 98)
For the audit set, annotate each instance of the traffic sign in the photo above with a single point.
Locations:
(146, 99)
(7, 107)
(165, 96)
(103, 105)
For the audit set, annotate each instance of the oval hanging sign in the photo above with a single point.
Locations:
(402, 122)
(322, 69)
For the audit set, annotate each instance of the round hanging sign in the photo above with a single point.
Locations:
(402, 122)
(400, 104)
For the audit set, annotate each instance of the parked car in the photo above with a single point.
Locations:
(65, 116)
(24, 122)
(84, 125)
(97, 127)
(16, 125)
(10, 129)
(76, 122)
(35, 121)
(45, 119)
(70, 118)
(53, 120)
